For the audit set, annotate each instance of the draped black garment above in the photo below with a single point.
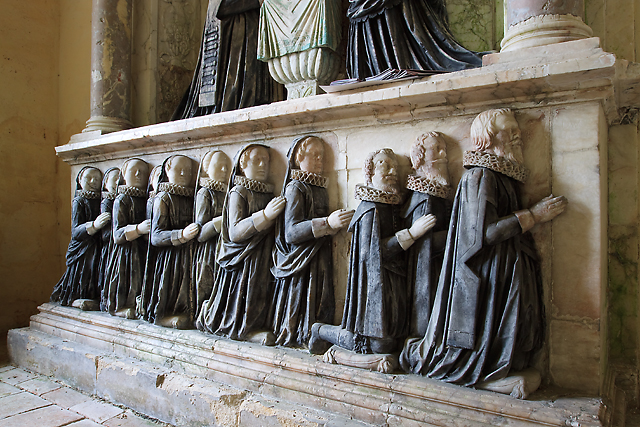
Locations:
(80, 280)
(403, 34)
(488, 316)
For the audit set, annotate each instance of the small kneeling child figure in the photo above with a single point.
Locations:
(78, 286)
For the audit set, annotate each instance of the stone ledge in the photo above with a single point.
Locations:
(292, 376)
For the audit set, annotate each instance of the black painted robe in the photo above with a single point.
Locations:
(488, 316)
(302, 266)
(106, 250)
(80, 280)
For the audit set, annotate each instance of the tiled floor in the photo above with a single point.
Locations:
(28, 399)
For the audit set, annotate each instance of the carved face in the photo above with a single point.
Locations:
(313, 157)
(155, 177)
(507, 141)
(434, 161)
(91, 180)
(179, 170)
(385, 175)
(218, 167)
(111, 184)
(136, 174)
(257, 164)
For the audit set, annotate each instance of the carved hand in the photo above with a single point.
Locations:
(102, 220)
(548, 208)
(274, 208)
(422, 225)
(144, 227)
(190, 231)
(340, 218)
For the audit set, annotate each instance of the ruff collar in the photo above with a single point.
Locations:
(131, 191)
(214, 185)
(110, 196)
(427, 186)
(309, 178)
(88, 194)
(152, 194)
(496, 164)
(176, 189)
(253, 185)
(370, 194)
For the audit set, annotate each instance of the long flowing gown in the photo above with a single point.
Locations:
(80, 280)
(488, 317)
(303, 266)
(403, 34)
(125, 272)
(244, 284)
(106, 234)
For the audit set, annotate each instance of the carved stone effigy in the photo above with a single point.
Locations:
(564, 140)
(299, 40)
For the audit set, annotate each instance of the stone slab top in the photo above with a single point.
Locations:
(567, 72)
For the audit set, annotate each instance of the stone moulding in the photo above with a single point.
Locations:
(295, 376)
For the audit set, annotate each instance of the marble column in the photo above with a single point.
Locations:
(542, 22)
(110, 66)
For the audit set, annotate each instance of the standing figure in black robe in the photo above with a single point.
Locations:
(242, 300)
(229, 75)
(429, 188)
(172, 301)
(303, 265)
(488, 317)
(143, 300)
(209, 202)
(403, 34)
(375, 317)
(125, 271)
(109, 193)
(79, 284)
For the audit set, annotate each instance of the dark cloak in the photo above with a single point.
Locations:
(229, 75)
(144, 299)
(302, 263)
(125, 272)
(242, 297)
(403, 34)
(488, 316)
(376, 302)
(424, 257)
(80, 280)
(208, 206)
(107, 239)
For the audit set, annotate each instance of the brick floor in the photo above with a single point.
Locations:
(29, 399)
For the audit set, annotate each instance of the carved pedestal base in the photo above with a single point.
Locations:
(517, 384)
(544, 30)
(105, 124)
(385, 363)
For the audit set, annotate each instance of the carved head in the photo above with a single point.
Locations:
(179, 170)
(154, 177)
(135, 173)
(254, 163)
(90, 179)
(309, 155)
(381, 170)
(429, 157)
(497, 132)
(110, 181)
(216, 165)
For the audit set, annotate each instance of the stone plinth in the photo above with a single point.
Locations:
(188, 378)
(564, 96)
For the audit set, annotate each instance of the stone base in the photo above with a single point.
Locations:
(544, 30)
(303, 89)
(385, 363)
(190, 378)
(104, 124)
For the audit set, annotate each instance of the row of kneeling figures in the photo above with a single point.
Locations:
(454, 289)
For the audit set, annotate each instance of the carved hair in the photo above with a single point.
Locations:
(171, 159)
(85, 170)
(418, 147)
(368, 163)
(206, 160)
(301, 149)
(244, 157)
(483, 128)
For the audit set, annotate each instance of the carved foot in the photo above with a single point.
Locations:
(127, 313)
(385, 363)
(86, 304)
(175, 322)
(517, 384)
(265, 338)
(316, 344)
